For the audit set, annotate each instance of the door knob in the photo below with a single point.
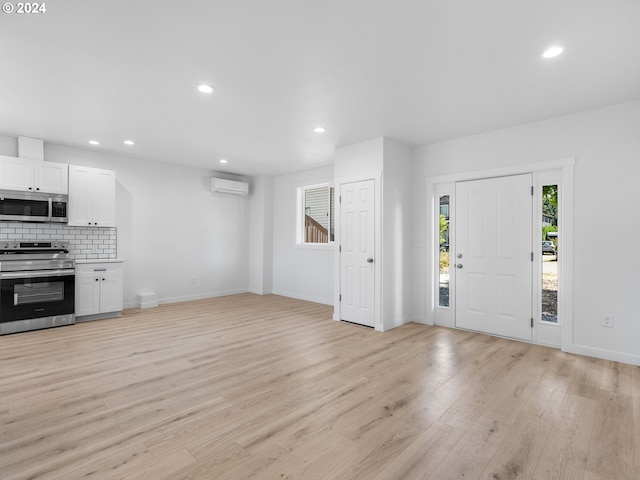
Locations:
(369, 260)
(459, 265)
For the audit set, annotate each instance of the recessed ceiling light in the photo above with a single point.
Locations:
(94, 142)
(129, 142)
(319, 129)
(552, 52)
(222, 160)
(204, 88)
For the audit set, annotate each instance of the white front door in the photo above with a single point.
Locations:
(357, 272)
(493, 257)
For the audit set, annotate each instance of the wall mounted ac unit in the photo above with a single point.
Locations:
(222, 185)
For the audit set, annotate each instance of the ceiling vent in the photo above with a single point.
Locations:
(231, 187)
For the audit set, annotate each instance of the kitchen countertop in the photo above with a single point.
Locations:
(100, 260)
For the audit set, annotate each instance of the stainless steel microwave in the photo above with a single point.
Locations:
(33, 206)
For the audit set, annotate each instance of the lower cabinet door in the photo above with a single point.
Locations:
(87, 295)
(111, 292)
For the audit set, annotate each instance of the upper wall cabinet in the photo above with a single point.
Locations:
(92, 197)
(27, 175)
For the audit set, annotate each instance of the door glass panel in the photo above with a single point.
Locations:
(549, 256)
(444, 266)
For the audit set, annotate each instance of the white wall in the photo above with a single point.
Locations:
(8, 146)
(606, 146)
(304, 272)
(171, 229)
(261, 236)
(360, 160)
(396, 235)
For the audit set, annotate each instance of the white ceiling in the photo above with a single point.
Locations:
(418, 71)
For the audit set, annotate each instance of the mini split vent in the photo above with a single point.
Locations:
(230, 187)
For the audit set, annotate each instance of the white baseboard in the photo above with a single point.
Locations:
(201, 296)
(415, 319)
(188, 298)
(395, 323)
(605, 354)
(260, 292)
(307, 298)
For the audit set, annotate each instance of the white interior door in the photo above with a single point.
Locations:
(357, 272)
(493, 256)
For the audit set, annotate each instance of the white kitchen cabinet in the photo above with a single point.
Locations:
(27, 175)
(51, 177)
(92, 197)
(99, 290)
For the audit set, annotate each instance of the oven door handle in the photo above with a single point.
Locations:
(39, 273)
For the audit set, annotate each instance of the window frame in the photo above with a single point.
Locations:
(300, 215)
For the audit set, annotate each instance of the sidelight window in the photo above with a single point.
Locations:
(444, 267)
(549, 254)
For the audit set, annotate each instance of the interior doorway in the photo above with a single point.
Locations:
(357, 249)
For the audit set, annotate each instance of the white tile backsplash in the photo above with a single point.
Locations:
(84, 243)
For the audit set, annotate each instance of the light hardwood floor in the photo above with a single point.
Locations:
(271, 388)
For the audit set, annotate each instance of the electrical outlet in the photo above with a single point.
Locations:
(607, 320)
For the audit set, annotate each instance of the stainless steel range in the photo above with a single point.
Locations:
(37, 285)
